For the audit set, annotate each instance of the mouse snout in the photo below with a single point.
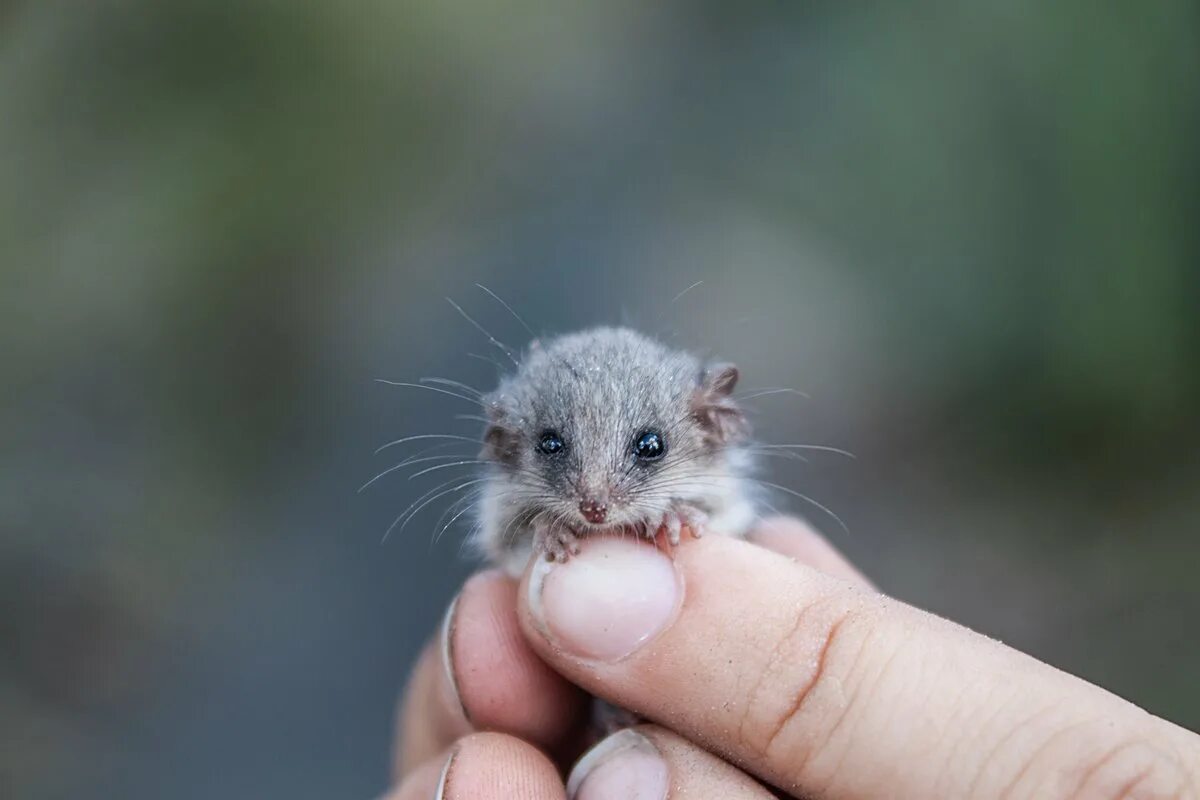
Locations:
(593, 510)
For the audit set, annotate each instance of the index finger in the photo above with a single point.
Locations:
(479, 674)
(484, 766)
(821, 687)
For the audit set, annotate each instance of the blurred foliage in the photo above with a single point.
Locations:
(973, 225)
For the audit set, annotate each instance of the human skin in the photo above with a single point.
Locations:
(764, 663)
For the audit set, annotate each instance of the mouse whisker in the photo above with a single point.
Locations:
(509, 309)
(451, 436)
(687, 477)
(464, 498)
(525, 517)
(491, 339)
(445, 466)
(387, 471)
(488, 359)
(675, 299)
(674, 480)
(469, 539)
(817, 447)
(405, 463)
(448, 456)
(684, 482)
(437, 496)
(407, 515)
(411, 459)
(780, 454)
(429, 388)
(806, 499)
(753, 393)
(466, 387)
(442, 485)
(439, 528)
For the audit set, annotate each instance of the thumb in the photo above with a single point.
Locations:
(820, 686)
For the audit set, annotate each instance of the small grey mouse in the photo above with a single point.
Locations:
(608, 430)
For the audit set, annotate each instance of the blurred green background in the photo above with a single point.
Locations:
(968, 231)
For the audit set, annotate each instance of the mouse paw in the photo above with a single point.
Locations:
(672, 525)
(682, 515)
(558, 544)
(693, 518)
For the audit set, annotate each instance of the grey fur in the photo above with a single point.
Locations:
(600, 389)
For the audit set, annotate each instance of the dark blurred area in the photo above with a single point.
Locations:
(967, 231)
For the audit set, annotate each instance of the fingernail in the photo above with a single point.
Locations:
(625, 765)
(440, 794)
(447, 637)
(608, 601)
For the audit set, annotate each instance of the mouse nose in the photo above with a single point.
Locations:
(593, 510)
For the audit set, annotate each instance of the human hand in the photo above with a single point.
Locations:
(479, 674)
(481, 696)
(812, 683)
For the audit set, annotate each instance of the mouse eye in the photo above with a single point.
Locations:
(650, 446)
(550, 443)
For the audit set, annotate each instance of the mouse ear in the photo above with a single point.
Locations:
(720, 379)
(500, 439)
(714, 408)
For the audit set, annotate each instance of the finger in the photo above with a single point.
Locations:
(501, 683)
(480, 674)
(484, 766)
(821, 687)
(654, 763)
(493, 766)
(422, 782)
(429, 717)
(797, 540)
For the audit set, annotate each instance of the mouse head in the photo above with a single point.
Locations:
(605, 428)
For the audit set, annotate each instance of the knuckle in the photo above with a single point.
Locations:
(803, 692)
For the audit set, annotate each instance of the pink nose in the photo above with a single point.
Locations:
(593, 511)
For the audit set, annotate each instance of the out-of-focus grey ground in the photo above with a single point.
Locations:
(968, 231)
